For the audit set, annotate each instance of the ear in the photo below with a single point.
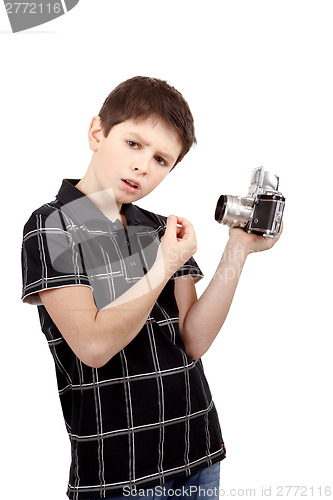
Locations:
(95, 133)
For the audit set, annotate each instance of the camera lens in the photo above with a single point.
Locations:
(220, 208)
(233, 211)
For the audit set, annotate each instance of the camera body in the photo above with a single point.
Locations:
(260, 212)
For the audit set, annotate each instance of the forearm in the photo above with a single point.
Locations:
(96, 336)
(120, 321)
(206, 316)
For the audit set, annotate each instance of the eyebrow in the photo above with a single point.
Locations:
(145, 143)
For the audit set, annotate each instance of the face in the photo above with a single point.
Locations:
(134, 158)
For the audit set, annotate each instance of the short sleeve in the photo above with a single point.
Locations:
(49, 256)
(190, 268)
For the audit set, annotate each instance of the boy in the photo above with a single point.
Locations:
(114, 285)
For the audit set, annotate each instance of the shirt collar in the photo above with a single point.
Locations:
(68, 194)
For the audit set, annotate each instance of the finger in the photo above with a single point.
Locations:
(183, 222)
(279, 233)
(171, 227)
(179, 231)
(187, 228)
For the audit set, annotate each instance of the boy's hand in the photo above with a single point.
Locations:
(178, 243)
(252, 242)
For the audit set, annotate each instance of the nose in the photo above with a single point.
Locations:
(142, 166)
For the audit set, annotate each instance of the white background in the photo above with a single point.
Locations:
(258, 77)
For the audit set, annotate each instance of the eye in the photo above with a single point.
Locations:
(161, 161)
(133, 145)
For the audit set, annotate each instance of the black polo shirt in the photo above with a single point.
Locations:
(147, 416)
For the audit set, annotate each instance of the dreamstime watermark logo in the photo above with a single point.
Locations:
(25, 15)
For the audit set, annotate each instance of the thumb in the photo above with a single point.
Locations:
(171, 226)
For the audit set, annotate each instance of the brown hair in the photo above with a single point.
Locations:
(144, 97)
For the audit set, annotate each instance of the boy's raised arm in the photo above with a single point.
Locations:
(203, 318)
(95, 336)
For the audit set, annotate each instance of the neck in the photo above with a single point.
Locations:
(103, 198)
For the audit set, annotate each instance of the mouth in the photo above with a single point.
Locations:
(131, 185)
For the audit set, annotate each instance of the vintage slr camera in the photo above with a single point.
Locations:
(260, 212)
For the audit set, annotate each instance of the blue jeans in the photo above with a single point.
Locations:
(203, 484)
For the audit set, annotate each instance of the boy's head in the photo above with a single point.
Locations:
(143, 97)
